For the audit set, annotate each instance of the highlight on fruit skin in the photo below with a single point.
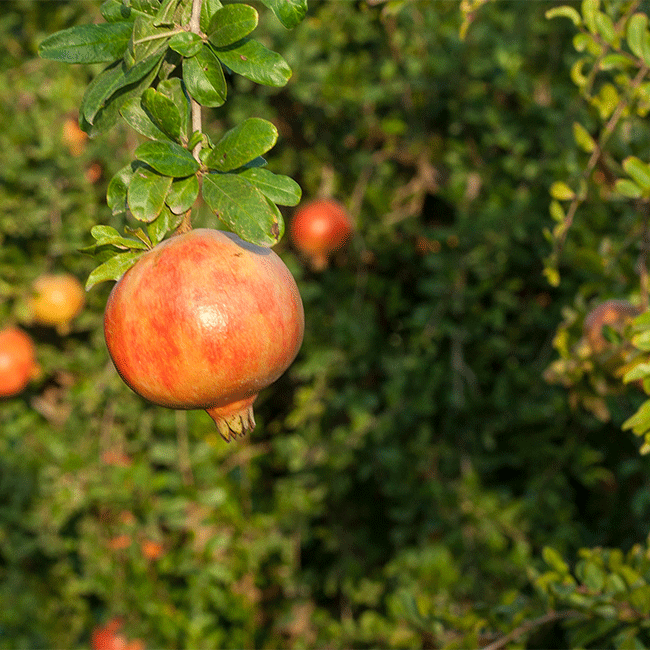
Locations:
(615, 313)
(205, 321)
(56, 300)
(18, 365)
(318, 229)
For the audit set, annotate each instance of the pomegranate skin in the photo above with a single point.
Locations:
(318, 229)
(17, 361)
(205, 321)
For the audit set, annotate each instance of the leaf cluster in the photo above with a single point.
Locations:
(161, 68)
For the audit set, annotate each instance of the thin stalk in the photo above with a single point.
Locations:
(197, 122)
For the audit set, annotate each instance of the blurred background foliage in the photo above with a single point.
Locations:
(414, 479)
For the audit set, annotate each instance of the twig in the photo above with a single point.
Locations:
(549, 617)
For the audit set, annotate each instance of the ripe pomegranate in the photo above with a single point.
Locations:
(17, 361)
(110, 638)
(318, 229)
(57, 300)
(205, 321)
(615, 313)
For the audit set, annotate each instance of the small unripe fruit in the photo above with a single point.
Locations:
(320, 228)
(57, 300)
(615, 313)
(17, 361)
(205, 321)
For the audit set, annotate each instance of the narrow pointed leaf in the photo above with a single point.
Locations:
(167, 158)
(252, 60)
(288, 12)
(105, 236)
(113, 269)
(146, 194)
(162, 112)
(628, 188)
(182, 194)
(87, 43)
(278, 188)
(241, 144)
(231, 23)
(243, 208)
(136, 117)
(204, 78)
(148, 38)
(563, 12)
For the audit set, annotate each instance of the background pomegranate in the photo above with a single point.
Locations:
(205, 321)
(615, 313)
(57, 299)
(17, 361)
(318, 229)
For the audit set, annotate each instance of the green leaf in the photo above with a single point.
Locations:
(563, 12)
(147, 7)
(241, 144)
(243, 208)
(136, 117)
(288, 12)
(117, 190)
(582, 138)
(162, 111)
(615, 61)
(554, 560)
(640, 371)
(174, 89)
(252, 60)
(186, 43)
(148, 38)
(562, 192)
(638, 37)
(589, 11)
(628, 188)
(279, 189)
(231, 23)
(106, 235)
(87, 43)
(642, 341)
(146, 193)
(182, 194)
(639, 423)
(167, 158)
(165, 15)
(208, 9)
(162, 224)
(639, 171)
(114, 11)
(113, 269)
(110, 81)
(606, 29)
(204, 78)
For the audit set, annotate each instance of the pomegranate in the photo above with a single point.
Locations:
(615, 313)
(205, 321)
(17, 361)
(318, 229)
(57, 300)
(110, 638)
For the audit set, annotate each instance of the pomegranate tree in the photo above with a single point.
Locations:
(318, 229)
(17, 361)
(205, 321)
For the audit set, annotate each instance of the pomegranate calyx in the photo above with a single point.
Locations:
(235, 419)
